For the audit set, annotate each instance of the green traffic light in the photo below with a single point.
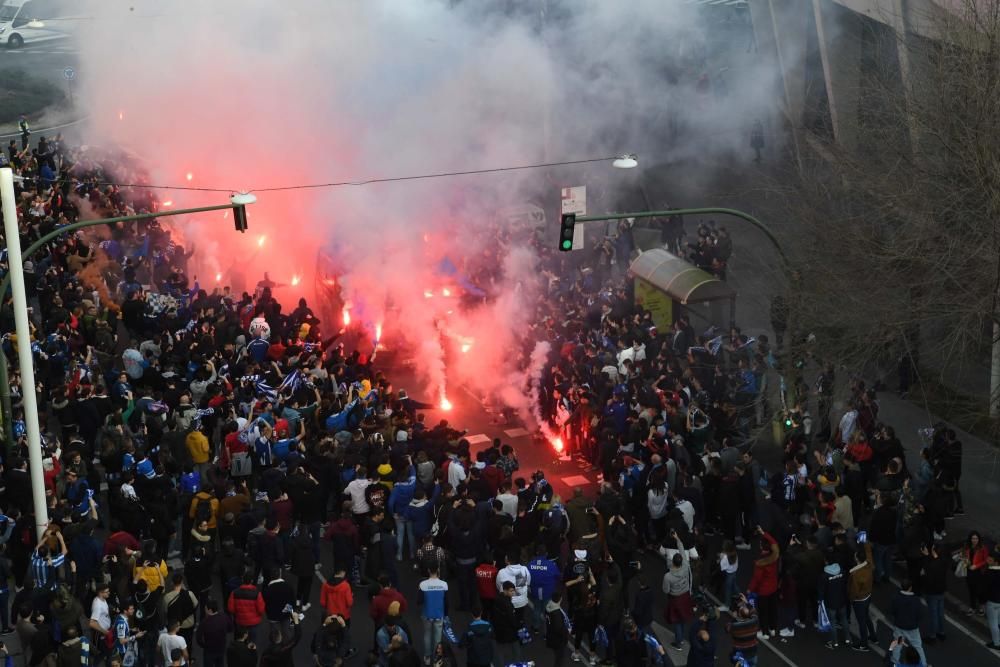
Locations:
(567, 245)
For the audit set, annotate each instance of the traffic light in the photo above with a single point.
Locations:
(240, 218)
(566, 232)
(240, 200)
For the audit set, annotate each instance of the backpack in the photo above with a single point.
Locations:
(182, 607)
(240, 465)
(203, 510)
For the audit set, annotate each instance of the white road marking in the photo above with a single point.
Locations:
(478, 438)
(516, 432)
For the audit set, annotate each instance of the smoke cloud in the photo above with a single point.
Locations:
(253, 95)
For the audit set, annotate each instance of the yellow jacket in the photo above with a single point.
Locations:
(197, 446)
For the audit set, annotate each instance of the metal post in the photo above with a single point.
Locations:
(21, 326)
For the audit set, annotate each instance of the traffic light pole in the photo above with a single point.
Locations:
(5, 402)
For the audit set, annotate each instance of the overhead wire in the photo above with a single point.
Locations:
(354, 183)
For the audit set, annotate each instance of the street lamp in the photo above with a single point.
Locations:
(15, 278)
(628, 161)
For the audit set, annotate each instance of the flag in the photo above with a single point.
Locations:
(143, 250)
(291, 382)
(714, 345)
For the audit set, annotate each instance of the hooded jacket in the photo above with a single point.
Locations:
(478, 641)
(336, 597)
(421, 514)
(832, 589)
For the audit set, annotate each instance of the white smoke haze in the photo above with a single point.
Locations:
(253, 95)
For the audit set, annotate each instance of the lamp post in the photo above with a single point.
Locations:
(15, 279)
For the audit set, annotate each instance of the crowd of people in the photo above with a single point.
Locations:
(214, 429)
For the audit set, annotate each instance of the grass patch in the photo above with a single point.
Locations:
(22, 93)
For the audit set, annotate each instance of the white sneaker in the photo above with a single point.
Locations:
(761, 636)
(743, 546)
(306, 606)
(576, 657)
(799, 624)
(787, 632)
(723, 608)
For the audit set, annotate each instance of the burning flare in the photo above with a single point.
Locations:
(445, 403)
(260, 241)
(347, 317)
(218, 277)
(296, 280)
(557, 444)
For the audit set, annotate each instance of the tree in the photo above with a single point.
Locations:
(900, 240)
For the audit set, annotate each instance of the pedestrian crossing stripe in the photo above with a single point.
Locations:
(516, 432)
(477, 439)
(575, 480)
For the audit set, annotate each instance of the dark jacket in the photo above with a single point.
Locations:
(905, 611)
(478, 641)
(212, 632)
(280, 655)
(882, 529)
(240, 653)
(832, 588)
(702, 653)
(992, 589)
(277, 595)
(504, 620)
(934, 577)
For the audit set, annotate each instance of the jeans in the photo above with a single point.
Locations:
(993, 620)
(404, 529)
(935, 614)
(866, 629)
(213, 659)
(466, 584)
(508, 652)
(729, 589)
(913, 639)
(5, 608)
(883, 560)
(432, 634)
(538, 613)
(838, 621)
(678, 630)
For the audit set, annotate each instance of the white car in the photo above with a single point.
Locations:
(20, 24)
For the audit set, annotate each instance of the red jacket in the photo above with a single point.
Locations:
(246, 604)
(765, 570)
(337, 598)
(486, 580)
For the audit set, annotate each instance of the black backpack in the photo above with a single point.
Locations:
(181, 607)
(203, 510)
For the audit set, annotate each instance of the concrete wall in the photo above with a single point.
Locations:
(785, 29)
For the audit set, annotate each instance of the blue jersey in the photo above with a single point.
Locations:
(544, 578)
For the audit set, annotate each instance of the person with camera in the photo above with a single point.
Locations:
(677, 583)
(744, 630)
(702, 638)
(905, 612)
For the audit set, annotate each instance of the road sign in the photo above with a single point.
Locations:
(574, 200)
(69, 73)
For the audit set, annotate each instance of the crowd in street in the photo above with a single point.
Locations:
(290, 477)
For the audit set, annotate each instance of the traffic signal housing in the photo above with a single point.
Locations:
(566, 232)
